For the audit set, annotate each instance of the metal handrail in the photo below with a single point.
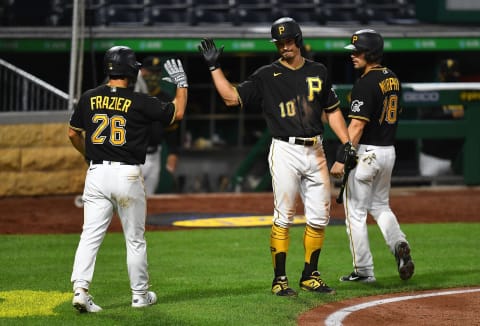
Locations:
(22, 91)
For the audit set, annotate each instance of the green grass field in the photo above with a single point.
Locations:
(217, 276)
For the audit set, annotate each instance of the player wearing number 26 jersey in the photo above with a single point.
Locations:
(115, 120)
(374, 113)
(109, 127)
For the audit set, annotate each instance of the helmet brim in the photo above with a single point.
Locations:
(350, 47)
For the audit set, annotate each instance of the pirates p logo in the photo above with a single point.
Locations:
(354, 39)
(281, 29)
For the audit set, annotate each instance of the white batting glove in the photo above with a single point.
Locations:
(176, 74)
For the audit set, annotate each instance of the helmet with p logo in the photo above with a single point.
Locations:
(286, 28)
(369, 42)
(121, 61)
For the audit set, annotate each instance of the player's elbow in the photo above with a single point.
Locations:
(230, 102)
(357, 124)
(180, 107)
(231, 99)
(179, 114)
(72, 134)
(229, 96)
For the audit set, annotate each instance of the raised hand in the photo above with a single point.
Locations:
(176, 74)
(210, 53)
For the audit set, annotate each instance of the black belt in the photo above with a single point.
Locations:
(305, 141)
(109, 162)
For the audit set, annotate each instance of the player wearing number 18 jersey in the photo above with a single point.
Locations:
(379, 108)
(374, 110)
(109, 127)
(294, 94)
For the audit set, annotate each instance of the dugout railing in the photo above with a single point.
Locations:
(21, 91)
(414, 95)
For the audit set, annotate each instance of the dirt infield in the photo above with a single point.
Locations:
(58, 214)
(440, 308)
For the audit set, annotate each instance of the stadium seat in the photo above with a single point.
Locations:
(169, 11)
(251, 11)
(304, 11)
(213, 11)
(125, 12)
(194, 12)
(26, 13)
(366, 11)
(61, 13)
(6, 13)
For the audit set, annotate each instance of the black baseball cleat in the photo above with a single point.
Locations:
(354, 277)
(313, 283)
(404, 260)
(280, 287)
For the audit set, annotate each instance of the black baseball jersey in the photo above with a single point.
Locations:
(376, 99)
(116, 122)
(292, 100)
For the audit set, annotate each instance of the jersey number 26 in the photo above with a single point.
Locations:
(117, 125)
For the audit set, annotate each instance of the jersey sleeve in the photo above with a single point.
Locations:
(362, 102)
(332, 102)
(330, 98)
(249, 91)
(76, 121)
(157, 110)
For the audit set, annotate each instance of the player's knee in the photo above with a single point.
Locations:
(318, 222)
(381, 212)
(283, 221)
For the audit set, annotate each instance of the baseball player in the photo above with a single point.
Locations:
(109, 126)
(437, 156)
(293, 93)
(150, 76)
(373, 114)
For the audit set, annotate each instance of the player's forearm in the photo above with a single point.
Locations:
(355, 131)
(180, 102)
(224, 88)
(338, 125)
(77, 140)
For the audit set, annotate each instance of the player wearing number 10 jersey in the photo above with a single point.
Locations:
(294, 94)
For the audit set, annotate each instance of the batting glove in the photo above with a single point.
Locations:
(347, 154)
(176, 74)
(210, 53)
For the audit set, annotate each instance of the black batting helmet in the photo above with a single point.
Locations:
(287, 28)
(369, 42)
(120, 61)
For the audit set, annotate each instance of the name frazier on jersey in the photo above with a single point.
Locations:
(389, 84)
(110, 103)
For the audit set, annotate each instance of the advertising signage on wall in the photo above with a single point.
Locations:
(238, 45)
